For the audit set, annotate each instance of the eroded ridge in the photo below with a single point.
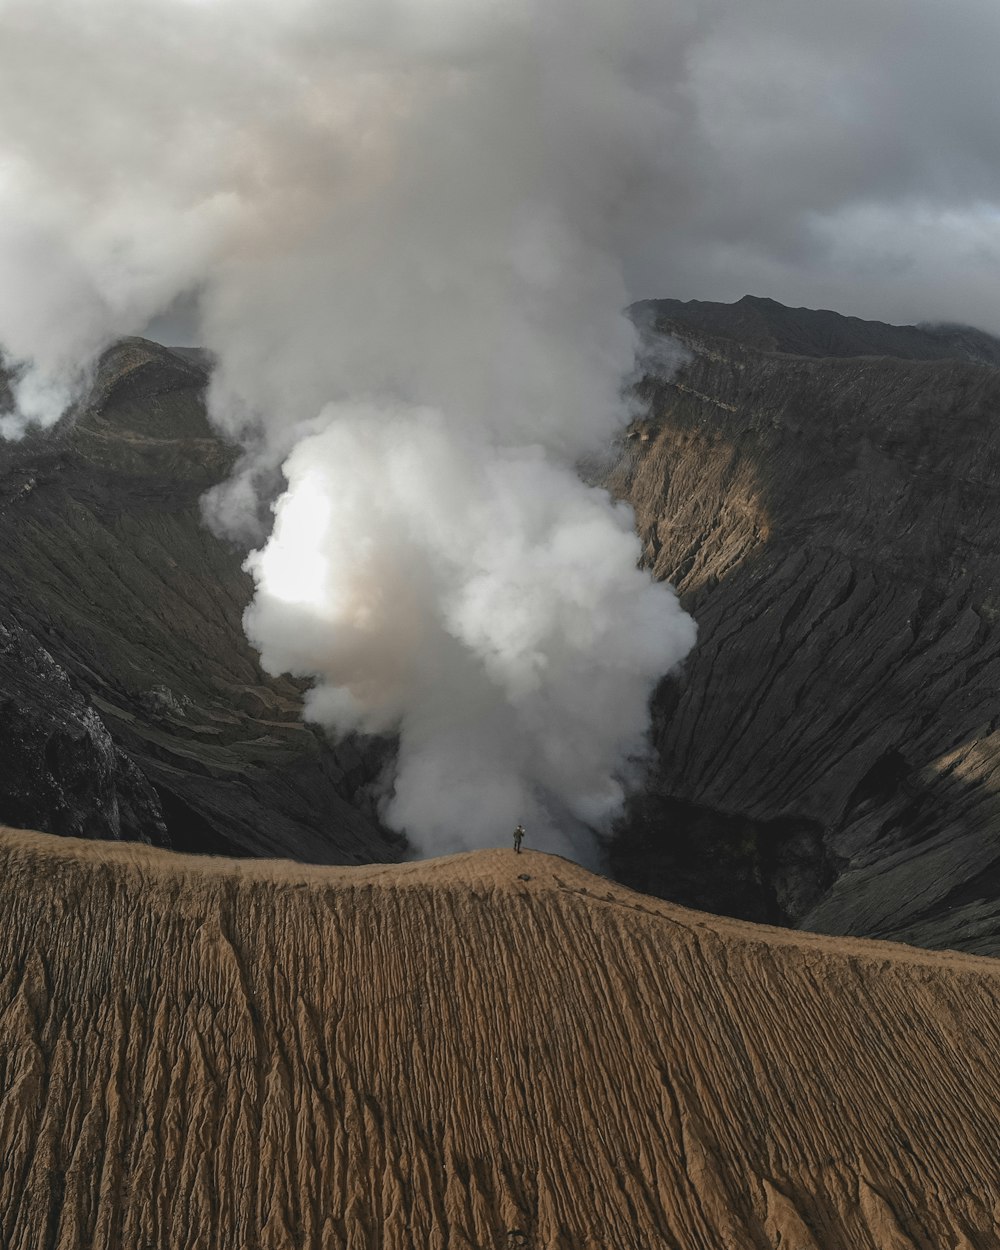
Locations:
(485, 1051)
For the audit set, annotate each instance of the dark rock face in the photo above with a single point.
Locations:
(829, 756)
(771, 327)
(106, 564)
(62, 773)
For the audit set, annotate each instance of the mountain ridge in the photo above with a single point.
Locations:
(829, 523)
(489, 1050)
(109, 567)
(766, 324)
(824, 758)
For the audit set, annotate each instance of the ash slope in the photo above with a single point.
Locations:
(821, 489)
(831, 756)
(483, 1051)
(132, 704)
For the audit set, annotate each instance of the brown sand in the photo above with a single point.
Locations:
(482, 1052)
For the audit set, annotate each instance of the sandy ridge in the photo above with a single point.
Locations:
(482, 1051)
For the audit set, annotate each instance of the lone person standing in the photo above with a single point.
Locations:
(518, 838)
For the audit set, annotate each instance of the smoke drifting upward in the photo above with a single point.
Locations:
(405, 224)
(480, 598)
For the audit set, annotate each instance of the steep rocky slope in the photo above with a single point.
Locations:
(107, 572)
(482, 1052)
(830, 756)
(59, 760)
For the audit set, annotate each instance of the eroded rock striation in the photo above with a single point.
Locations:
(485, 1051)
(107, 566)
(830, 756)
(60, 763)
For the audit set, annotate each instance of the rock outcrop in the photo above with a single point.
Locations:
(61, 769)
(489, 1051)
(830, 756)
(106, 564)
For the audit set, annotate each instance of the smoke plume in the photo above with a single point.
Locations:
(403, 224)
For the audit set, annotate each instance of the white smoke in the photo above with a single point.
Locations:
(481, 599)
(404, 221)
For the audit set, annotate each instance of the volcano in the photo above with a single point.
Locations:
(818, 488)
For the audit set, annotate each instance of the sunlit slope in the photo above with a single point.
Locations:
(484, 1051)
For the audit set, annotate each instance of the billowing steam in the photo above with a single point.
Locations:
(481, 599)
(404, 222)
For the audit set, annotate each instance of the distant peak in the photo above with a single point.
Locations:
(774, 327)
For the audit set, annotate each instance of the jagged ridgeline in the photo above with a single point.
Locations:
(820, 490)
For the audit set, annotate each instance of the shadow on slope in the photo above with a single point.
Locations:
(106, 561)
(830, 524)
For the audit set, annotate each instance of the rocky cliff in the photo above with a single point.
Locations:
(123, 626)
(821, 490)
(829, 756)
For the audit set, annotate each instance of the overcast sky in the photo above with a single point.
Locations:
(842, 154)
(839, 154)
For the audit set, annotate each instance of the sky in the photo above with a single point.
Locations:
(841, 155)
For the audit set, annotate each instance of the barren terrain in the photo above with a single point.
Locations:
(131, 704)
(819, 488)
(477, 1052)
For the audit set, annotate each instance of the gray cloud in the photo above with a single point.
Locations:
(839, 155)
(843, 155)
